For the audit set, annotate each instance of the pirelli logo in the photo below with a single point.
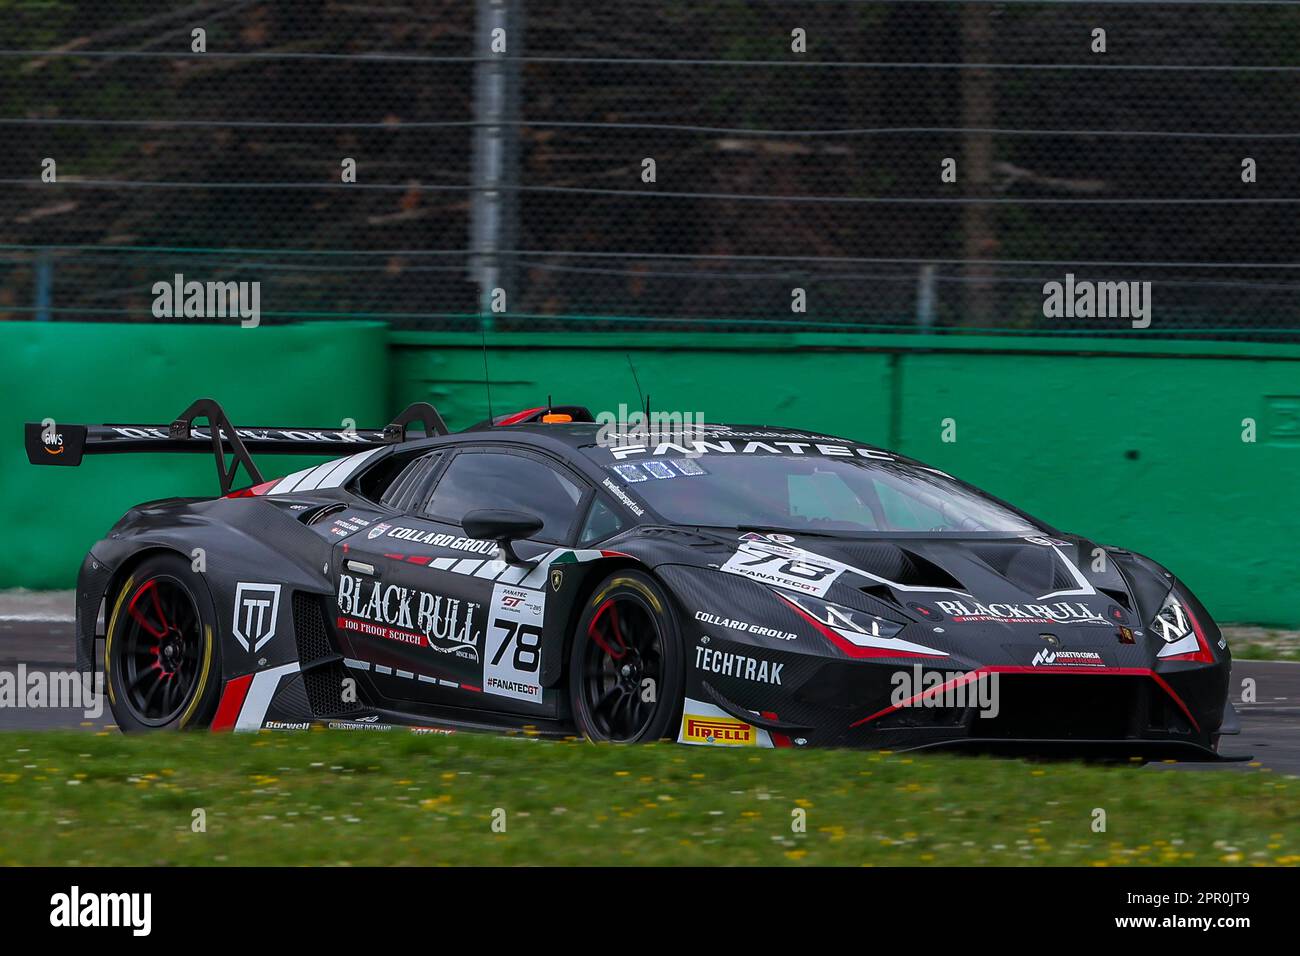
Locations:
(717, 730)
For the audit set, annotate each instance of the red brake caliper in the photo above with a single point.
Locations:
(613, 622)
(155, 632)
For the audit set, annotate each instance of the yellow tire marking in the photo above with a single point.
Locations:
(108, 636)
(203, 677)
(634, 584)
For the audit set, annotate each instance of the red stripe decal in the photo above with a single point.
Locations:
(255, 490)
(778, 740)
(849, 648)
(232, 701)
(518, 417)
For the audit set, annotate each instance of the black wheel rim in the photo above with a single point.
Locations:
(159, 664)
(624, 651)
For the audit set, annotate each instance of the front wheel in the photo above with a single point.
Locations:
(160, 652)
(625, 667)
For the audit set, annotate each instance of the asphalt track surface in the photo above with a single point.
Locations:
(1270, 726)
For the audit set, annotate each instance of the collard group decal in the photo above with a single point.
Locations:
(439, 539)
(444, 625)
(745, 627)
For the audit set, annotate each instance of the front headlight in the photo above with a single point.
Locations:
(857, 634)
(1172, 622)
(845, 620)
(1179, 629)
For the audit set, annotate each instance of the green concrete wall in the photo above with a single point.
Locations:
(1136, 443)
(96, 373)
(1133, 442)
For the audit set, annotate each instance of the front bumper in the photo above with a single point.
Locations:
(1175, 711)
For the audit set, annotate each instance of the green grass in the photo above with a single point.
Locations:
(336, 798)
(1263, 643)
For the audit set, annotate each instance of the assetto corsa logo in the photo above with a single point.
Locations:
(1046, 658)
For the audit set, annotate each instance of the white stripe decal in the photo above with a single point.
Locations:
(259, 696)
(339, 474)
(313, 477)
(1085, 586)
(536, 578)
(466, 566)
(513, 574)
(490, 569)
(289, 482)
(330, 474)
(442, 564)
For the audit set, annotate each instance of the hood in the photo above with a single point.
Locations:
(997, 583)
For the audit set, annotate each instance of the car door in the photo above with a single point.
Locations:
(435, 616)
(402, 624)
(517, 600)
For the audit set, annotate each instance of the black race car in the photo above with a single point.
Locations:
(729, 585)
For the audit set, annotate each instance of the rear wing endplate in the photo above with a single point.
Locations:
(51, 443)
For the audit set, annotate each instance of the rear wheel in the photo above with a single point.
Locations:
(160, 651)
(625, 666)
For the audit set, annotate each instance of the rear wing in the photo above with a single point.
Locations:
(50, 443)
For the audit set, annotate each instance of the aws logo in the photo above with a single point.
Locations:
(51, 439)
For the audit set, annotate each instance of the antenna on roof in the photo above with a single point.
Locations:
(487, 379)
(643, 399)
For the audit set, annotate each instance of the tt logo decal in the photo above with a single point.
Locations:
(256, 607)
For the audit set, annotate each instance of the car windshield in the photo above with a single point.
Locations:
(814, 494)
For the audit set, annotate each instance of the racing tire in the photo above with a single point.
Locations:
(162, 659)
(626, 666)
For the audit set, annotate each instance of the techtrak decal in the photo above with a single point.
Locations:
(1062, 612)
(727, 664)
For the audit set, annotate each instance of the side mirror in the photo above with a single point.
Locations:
(503, 527)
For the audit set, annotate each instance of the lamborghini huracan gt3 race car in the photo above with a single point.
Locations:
(748, 586)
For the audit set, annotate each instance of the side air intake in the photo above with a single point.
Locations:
(323, 673)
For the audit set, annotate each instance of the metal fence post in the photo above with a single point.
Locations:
(44, 276)
(494, 222)
(925, 298)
